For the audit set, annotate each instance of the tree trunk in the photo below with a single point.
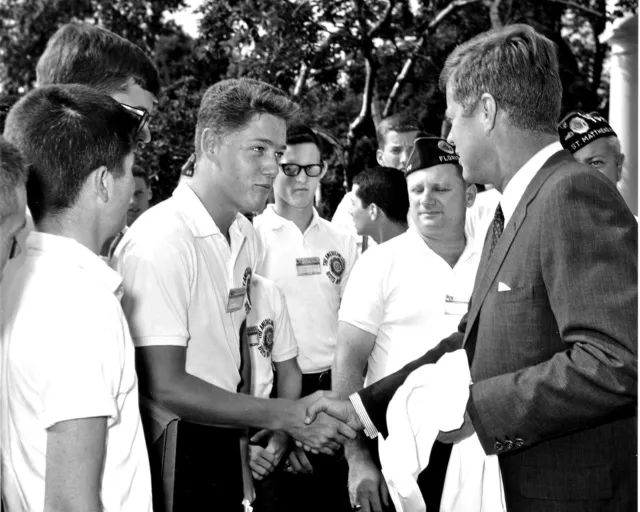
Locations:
(402, 77)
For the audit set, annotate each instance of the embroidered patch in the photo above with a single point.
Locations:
(444, 146)
(336, 265)
(579, 125)
(265, 337)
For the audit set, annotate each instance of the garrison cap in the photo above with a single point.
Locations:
(429, 152)
(577, 129)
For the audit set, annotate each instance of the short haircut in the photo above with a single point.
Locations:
(385, 187)
(65, 132)
(80, 53)
(228, 106)
(302, 134)
(12, 175)
(139, 172)
(517, 66)
(401, 123)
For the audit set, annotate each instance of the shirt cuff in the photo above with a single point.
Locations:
(369, 428)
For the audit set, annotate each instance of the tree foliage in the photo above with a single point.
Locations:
(347, 62)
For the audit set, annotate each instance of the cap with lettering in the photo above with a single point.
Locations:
(429, 152)
(578, 129)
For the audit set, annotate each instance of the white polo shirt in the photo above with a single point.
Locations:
(343, 220)
(68, 355)
(271, 338)
(179, 273)
(408, 297)
(312, 270)
(480, 215)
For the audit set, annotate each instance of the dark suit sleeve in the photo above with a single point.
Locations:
(376, 397)
(589, 242)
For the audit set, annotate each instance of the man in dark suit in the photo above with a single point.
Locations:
(551, 331)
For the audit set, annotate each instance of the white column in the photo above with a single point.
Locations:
(622, 35)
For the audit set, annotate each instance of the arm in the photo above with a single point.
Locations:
(289, 379)
(365, 481)
(74, 462)
(589, 258)
(162, 377)
(354, 348)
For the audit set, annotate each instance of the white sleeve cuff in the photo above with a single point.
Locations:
(369, 428)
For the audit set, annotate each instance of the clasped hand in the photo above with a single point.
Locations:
(328, 423)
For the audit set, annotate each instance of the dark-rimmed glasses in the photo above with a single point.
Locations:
(292, 170)
(140, 113)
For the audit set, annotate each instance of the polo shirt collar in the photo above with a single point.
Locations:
(278, 222)
(197, 217)
(470, 248)
(75, 253)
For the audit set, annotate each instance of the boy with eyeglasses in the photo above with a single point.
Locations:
(310, 260)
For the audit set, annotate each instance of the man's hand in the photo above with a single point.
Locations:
(298, 462)
(264, 460)
(367, 486)
(455, 436)
(341, 410)
(326, 434)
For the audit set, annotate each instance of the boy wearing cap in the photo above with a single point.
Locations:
(404, 296)
(592, 141)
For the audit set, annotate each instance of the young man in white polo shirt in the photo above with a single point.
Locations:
(272, 345)
(71, 430)
(186, 265)
(380, 203)
(405, 295)
(310, 260)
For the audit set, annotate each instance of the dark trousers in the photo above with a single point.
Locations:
(208, 473)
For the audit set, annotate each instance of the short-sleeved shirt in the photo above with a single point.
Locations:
(312, 270)
(179, 272)
(271, 338)
(408, 297)
(68, 355)
(480, 215)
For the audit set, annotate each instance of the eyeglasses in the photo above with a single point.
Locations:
(141, 114)
(313, 170)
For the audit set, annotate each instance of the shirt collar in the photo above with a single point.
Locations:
(278, 222)
(470, 247)
(197, 217)
(74, 252)
(516, 188)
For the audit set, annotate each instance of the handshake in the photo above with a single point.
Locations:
(322, 422)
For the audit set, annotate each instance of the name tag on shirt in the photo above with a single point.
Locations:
(454, 306)
(252, 331)
(308, 266)
(235, 301)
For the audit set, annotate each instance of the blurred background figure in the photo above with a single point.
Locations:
(379, 203)
(141, 197)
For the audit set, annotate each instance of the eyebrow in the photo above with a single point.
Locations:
(269, 142)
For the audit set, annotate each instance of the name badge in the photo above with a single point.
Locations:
(308, 266)
(235, 300)
(252, 331)
(454, 306)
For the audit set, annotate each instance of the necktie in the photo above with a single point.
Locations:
(497, 227)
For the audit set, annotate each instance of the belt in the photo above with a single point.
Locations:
(316, 381)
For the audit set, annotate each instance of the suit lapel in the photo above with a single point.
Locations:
(489, 267)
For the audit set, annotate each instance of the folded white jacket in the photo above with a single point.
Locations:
(432, 399)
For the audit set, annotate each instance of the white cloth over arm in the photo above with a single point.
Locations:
(433, 399)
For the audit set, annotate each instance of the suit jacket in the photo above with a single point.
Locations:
(554, 359)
